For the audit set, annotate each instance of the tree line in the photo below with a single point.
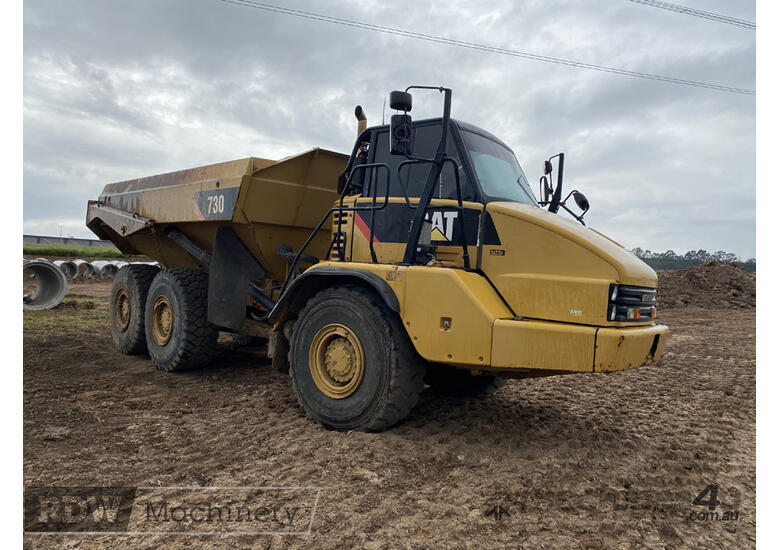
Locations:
(671, 260)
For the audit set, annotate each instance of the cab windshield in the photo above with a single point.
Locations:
(497, 170)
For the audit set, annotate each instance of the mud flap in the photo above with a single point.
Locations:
(278, 348)
(231, 269)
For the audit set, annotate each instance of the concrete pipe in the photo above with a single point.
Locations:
(85, 269)
(102, 268)
(70, 269)
(51, 285)
(119, 264)
(109, 271)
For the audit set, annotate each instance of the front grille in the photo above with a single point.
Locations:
(631, 303)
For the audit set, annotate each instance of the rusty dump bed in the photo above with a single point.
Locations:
(267, 203)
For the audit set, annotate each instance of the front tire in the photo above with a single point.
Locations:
(351, 362)
(178, 334)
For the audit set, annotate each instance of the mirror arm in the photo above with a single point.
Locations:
(433, 174)
(556, 198)
(575, 216)
(543, 186)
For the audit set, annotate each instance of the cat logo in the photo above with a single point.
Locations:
(442, 224)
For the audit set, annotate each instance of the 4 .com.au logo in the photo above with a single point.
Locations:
(713, 508)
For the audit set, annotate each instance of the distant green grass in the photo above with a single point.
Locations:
(83, 315)
(67, 250)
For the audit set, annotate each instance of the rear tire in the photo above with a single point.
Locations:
(178, 334)
(351, 362)
(127, 306)
(445, 380)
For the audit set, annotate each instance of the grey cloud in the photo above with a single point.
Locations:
(115, 90)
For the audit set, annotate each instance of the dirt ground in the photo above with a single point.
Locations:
(592, 461)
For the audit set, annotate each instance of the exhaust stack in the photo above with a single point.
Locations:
(362, 120)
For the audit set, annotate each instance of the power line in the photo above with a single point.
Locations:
(483, 47)
(745, 24)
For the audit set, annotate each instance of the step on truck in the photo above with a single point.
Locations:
(423, 257)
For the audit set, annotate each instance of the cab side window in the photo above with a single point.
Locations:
(426, 140)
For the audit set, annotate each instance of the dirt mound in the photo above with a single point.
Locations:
(713, 284)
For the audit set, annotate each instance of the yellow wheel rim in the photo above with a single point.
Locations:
(122, 310)
(336, 361)
(162, 320)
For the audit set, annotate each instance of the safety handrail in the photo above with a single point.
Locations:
(341, 208)
(409, 162)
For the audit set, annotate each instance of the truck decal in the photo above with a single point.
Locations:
(442, 224)
(391, 225)
(216, 204)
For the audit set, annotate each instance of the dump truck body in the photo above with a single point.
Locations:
(425, 246)
(268, 203)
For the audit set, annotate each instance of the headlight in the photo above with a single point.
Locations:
(631, 303)
(613, 292)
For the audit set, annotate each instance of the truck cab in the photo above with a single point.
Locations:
(525, 251)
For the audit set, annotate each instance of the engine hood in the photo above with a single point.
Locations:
(550, 267)
(630, 269)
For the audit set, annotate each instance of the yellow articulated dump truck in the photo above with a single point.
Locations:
(423, 257)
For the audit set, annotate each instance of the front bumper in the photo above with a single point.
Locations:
(562, 347)
(626, 348)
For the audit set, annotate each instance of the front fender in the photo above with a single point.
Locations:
(316, 278)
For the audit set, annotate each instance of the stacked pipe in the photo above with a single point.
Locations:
(104, 269)
(85, 269)
(70, 269)
(52, 278)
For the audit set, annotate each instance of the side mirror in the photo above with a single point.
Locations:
(401, 132)
(581, 200)
(401, 135)
(401, 101)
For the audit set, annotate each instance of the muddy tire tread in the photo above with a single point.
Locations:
(199, 337)
(139, 279)
(407, 368)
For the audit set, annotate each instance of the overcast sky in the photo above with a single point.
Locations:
(120, 89)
